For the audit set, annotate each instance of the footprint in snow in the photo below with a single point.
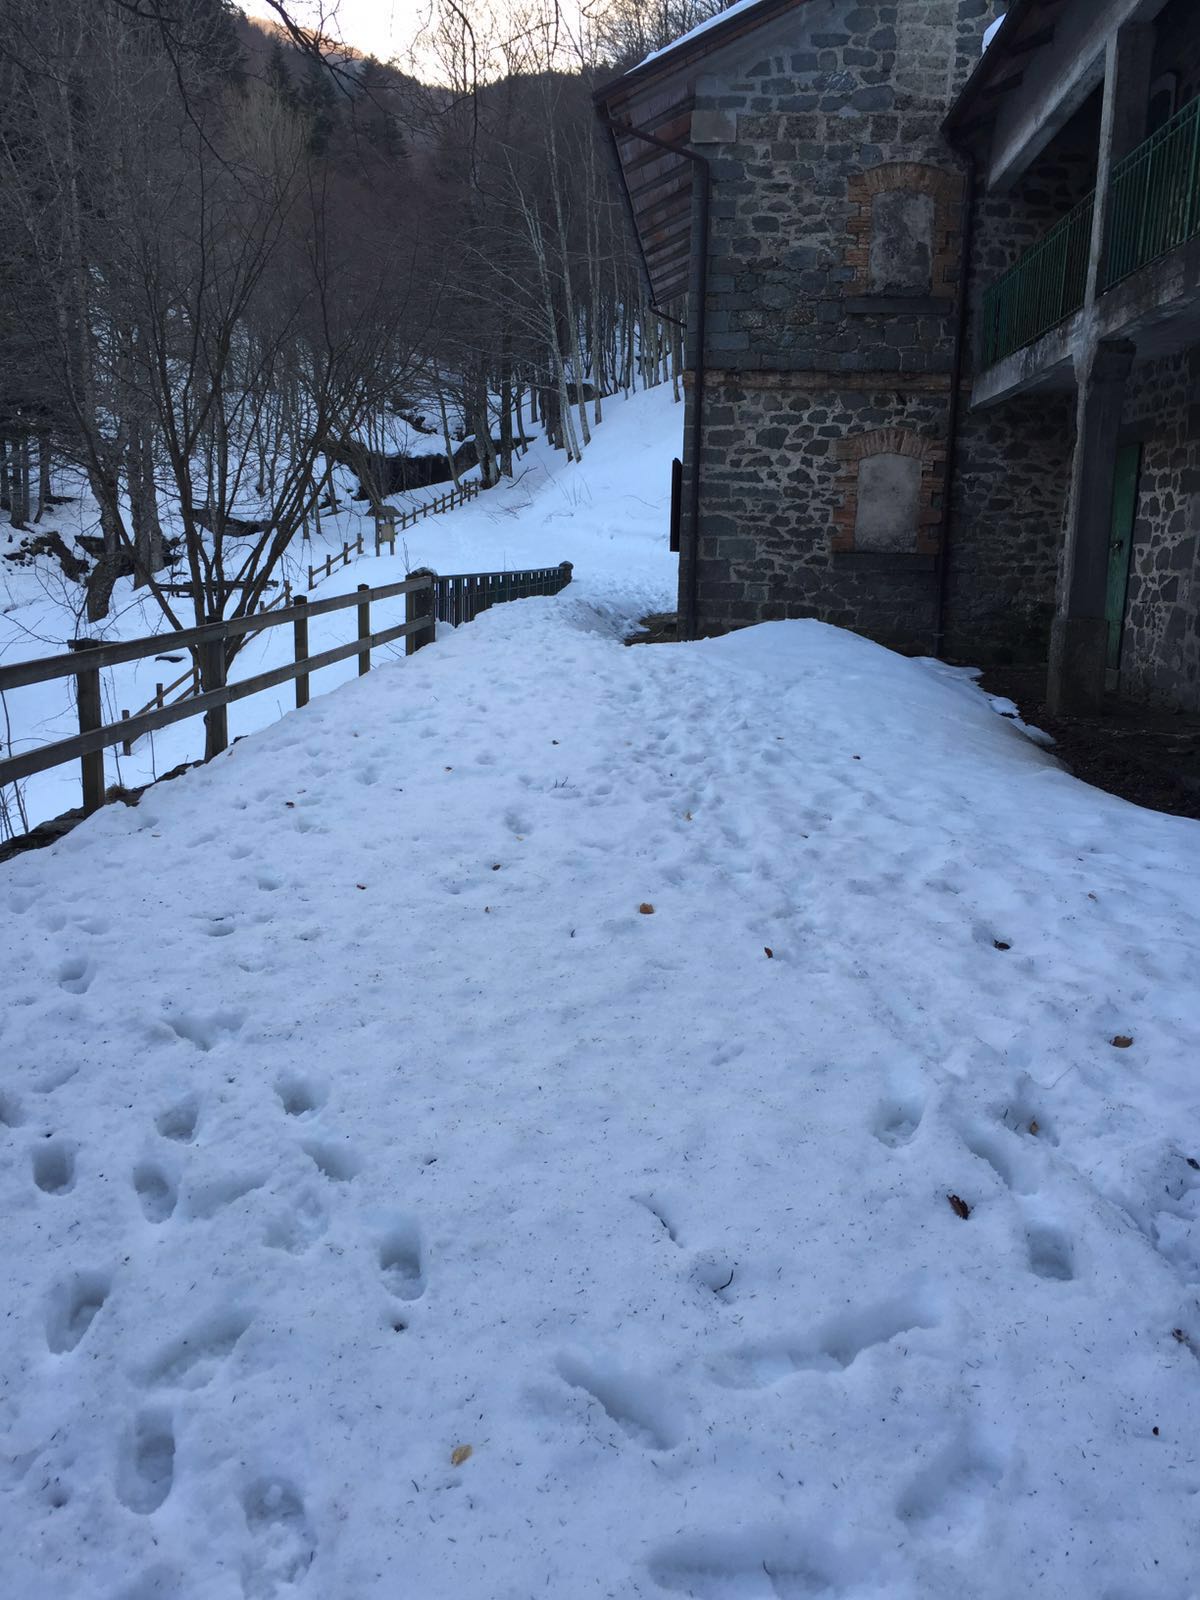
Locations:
(299, 1224)
(178, 1122)
(768, 1564)
(401, 1259)
(948, 1492)
(1051, 1254)
(191, 1361)
(1002, 1151)
(832, 1346)
(54, 1167)
(205, 1030)
(72, 1307)
(75, 974)
(299, 1095)
(897, 1120)
(634, 1402)
(146, 1462)
(155, 1190)
(11, 1115)
(282, 1544)
(337, 1162)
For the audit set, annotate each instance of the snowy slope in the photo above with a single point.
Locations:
(355, 1114)
(610, 511)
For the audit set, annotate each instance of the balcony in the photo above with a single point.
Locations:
(1154, 207)
(1154, 197)
(1045, 286)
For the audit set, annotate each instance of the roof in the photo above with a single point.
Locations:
(1027, 26)
(656, 98)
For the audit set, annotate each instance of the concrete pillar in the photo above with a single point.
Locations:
(1128, 66)
(1079, 637)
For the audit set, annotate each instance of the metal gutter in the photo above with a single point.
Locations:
(967, 236)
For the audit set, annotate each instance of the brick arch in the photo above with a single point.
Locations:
(931, 453)
(913, 177)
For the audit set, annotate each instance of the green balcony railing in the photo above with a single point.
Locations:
(1048, 283)
(1154, 203)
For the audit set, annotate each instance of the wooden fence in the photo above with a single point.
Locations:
(428, 599)
(388, 523)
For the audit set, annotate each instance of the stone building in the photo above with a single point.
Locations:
(915, 275)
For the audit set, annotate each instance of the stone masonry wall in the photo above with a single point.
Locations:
(1009, 504)
(804, 353)
(775, 484)
(1160, 652)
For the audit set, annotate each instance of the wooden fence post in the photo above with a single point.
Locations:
(300, 636)
(421, 604)
(87, 700)
(359, 545)
(216, 721)
(126, 744)
(364, 628)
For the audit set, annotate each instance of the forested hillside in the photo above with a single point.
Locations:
(235, 254)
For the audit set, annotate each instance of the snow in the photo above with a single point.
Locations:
(551, 512)
(993, 29)
(358, 1109)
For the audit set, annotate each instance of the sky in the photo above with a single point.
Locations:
(383, 28)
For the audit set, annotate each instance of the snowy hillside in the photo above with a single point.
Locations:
(607, 513)
(493, 1133)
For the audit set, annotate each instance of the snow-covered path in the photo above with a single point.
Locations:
(356, 1114)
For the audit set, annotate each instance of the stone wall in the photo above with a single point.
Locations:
(1160, 649)
(777, 486)
(833, 270)
(1009, 503)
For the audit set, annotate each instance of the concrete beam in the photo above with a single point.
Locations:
(1056, 82)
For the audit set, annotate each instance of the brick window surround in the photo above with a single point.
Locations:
(931, 453)
(945, 189)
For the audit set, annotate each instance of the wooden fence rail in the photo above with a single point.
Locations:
(389, 522)
(428, 600)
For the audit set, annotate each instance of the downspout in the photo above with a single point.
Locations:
(699, 297)
(967, 234)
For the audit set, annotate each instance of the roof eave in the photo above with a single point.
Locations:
(970, 91)
(678, 56)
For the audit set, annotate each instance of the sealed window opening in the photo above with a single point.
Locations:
(889, 503)
(901, 257)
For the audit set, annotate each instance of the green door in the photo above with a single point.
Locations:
(1125, 499)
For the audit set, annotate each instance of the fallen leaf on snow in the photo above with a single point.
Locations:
(1122, 1041)
(1193, 1163)
(459, 1454)
(1033, 1127)
(360, 886)
(646, 908)
(1001, 944)
(959, 1207)
(768, 952)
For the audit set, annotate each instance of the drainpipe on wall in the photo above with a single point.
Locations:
(967, 234)
(689, 553)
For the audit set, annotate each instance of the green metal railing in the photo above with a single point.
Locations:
(1048, 283)
(1154, 207)
(1154, 201)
